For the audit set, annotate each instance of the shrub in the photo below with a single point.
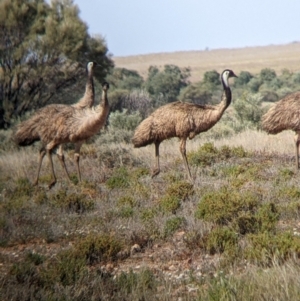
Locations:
(138, 284)
(65, 269)
(240, 210)
(205, 156)
(208, 154)
(126, 212)
(221, 239)
(223, 206)
(180, 189)
(248, 108)
(148, 214)
(73, 202)
(98, 248)
(119, 178)
(172, 225)
(169, 203)
(124, 121)
(26, 270)
(266, 248)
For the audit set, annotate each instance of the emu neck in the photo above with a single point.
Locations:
(104, 100)
(226, 96)
(89, 87)
(227, 99)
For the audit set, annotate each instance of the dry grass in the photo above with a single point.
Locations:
(251, 59)
(251, 140)
(163, 243)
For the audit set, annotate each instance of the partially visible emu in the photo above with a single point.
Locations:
(87, 101)
(182, 120)
(64, 124)
(284, 115)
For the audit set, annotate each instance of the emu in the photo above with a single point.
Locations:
(182, 120)
(55, 125)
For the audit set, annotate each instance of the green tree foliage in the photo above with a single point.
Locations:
(212, 78)
(248, 108)
(167, 82)
(122, 78)
(267, 74)
(243, 78)
(43, 50)
(124, 121)
(202, 92)
(196, 93)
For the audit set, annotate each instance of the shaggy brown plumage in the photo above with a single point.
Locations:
(54, 125)
(284, 115)
(87, 101)
(182, 120)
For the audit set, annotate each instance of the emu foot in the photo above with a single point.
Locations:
(155, 172)
(52, 184)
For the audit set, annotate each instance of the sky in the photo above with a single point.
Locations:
(133, 27)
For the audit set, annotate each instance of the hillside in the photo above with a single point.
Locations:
(252, 59)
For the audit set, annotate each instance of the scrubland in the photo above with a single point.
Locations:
(234, 234)
(121, 235)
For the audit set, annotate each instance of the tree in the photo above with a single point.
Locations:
(168, 82)
(212, 78)
(267, 74)
(43, 50)
(243, 78)
(122, 78)
(248, 108)
(196, 93)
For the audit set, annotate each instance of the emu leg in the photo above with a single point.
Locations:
(61, 158)
(42, 155)
(183, 153)
(49, 154)
(297, 143)
(156, 171)
(77, 158)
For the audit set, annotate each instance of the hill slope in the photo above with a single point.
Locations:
(251, 59)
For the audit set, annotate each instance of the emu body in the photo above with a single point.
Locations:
(182, 120)
(285, 115)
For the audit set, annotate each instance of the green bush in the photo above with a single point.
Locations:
(220, 240)
(225, 205)
(119, 179)
(137, 284)
(242, 211)
(267, 249)
(72, 202)
(208, 154)
(172, 225)
(124, 121)
(248, 108)
(180, 190)
(169, 203)
(26, 271)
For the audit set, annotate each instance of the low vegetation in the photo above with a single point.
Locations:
(120, 235)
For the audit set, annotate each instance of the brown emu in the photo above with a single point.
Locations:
(285, 115)
(87, 101)
(54, 125)
(182, 120)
